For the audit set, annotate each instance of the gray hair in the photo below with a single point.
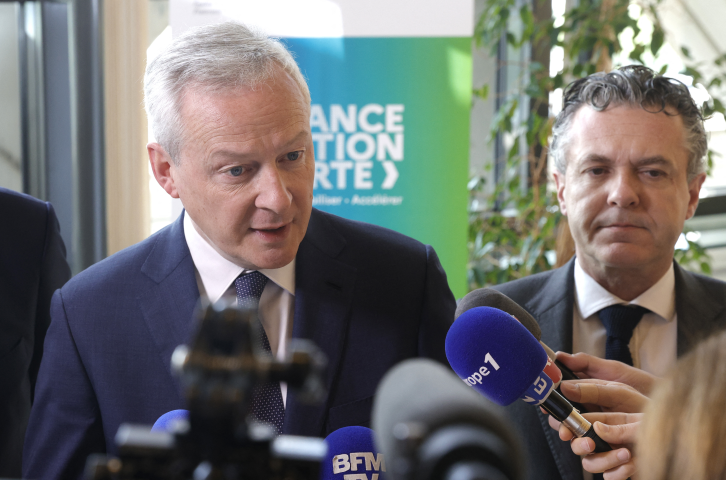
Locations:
(215, 58)
(636, 86)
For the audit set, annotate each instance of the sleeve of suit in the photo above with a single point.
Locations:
(438, 310)
(54, 273)
(65, 418)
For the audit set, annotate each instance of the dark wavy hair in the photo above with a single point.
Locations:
(636, 86)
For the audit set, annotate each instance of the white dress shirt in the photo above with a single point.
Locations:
(653, 345)
(215, 279)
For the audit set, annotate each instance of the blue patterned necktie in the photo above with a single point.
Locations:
(620, 321)
(267, 405)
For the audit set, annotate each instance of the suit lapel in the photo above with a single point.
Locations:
(323, 297)
(552, 307)
(168, 302)
(696, 310)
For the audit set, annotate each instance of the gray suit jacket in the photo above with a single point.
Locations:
(549, 297)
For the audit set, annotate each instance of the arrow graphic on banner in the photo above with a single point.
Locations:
(391, 175)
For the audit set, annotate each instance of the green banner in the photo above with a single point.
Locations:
(390, 122)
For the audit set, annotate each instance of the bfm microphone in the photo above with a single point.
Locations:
(503, 361)
(431, 427)
(170, 421)
(352, 456)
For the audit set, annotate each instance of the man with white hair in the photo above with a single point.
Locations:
(230, 110)
(629, 150)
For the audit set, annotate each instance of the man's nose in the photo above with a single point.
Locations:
(624, 190)
(272, 193)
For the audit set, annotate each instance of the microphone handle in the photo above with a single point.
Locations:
(568, 374)
(563, 411)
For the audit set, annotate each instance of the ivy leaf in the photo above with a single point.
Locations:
(686, 53)
(482, 92)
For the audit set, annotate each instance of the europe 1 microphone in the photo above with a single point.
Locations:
(488, 297)
(497, 355)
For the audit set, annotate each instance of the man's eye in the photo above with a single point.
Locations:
(293, 155)
(597, 171)
(654, 173)
(236, 171)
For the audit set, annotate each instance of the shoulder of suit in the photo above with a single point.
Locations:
(120, 268)
(712, 286)
(354, 232)
(16, 206)
(527, 285)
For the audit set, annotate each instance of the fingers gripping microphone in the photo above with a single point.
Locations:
(499, 357)
(431, 427)
(352, 456)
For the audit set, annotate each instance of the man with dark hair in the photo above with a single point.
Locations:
(629, 151)
(231, 114)
(32, 266)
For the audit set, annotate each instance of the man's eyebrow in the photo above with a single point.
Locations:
(655, 160)
(302, 135)
(241, 155)
(595, 158)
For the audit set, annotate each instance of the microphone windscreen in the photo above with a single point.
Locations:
(421, 393)
(351, 451)
(495, 354)
(487, 297)
(166, 422)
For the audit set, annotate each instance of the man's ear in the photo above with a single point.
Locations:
(560, 184)
(694, 190)
(163, 166)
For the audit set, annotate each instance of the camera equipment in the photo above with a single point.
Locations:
(221, 439)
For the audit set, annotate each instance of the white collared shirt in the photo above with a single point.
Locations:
(654, 341)
(215, 279)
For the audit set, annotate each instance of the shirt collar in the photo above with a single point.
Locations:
(217, 273)
(591, 297)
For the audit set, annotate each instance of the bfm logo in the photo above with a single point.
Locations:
(343, 463)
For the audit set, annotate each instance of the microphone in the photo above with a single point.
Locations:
(352, 456)
(488, 297)
(431, 427)
(497, 356)
(171, 421)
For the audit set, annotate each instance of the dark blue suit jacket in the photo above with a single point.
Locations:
(32, 266)
(367, 296)
(550, 298)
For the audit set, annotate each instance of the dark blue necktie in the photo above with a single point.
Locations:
(267, 405)
(620, 321)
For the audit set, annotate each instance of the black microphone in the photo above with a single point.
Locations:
(497, 355)
(432, 427)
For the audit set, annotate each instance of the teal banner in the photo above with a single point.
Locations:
(390, 121)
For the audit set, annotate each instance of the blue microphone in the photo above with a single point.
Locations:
(497, 356)
(353, 456)
(500, 370)
(169, 421)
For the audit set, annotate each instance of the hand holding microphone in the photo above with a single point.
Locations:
(617, 424)
(618, 429)
(588, 366)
